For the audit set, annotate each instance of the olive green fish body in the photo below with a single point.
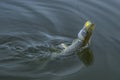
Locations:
(82, 41)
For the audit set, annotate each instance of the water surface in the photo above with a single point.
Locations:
(31, 30)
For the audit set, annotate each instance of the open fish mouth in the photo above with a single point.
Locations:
(86, 32)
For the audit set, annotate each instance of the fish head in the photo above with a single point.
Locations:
(86, 32)
(89, 26)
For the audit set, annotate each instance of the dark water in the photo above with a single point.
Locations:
(31, 30)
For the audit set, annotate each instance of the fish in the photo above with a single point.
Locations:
(81, 42)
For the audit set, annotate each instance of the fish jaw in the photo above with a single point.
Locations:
(86, 32)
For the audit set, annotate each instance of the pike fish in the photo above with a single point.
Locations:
(82, 41)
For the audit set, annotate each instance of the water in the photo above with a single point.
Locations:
(31, 30)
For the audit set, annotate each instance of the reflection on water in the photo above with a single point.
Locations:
(86, 56)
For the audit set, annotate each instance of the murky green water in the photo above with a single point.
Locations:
(31, 30)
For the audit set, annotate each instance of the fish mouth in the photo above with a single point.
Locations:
(89, 28)
(86, 33)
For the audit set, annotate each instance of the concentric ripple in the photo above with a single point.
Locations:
(31, 30)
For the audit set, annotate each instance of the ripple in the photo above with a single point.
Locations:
(24, 51)
(32, 30)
